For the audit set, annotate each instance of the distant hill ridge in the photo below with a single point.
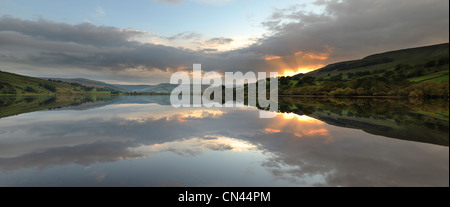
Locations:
(386, 60)
(14, 84)
(160, 88)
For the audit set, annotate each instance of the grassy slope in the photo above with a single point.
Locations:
(24, 85)
(413, 56)
(440, 76)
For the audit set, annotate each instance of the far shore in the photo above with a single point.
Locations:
(167, 94)
(325, 96)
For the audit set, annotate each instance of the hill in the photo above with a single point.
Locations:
(131, 88)
(14, 84)
(432, 55)
(160, 88)
(414, 72)
(87, 82)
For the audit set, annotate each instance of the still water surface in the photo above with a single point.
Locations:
(143, 141)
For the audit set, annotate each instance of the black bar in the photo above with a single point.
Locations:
(277, 196)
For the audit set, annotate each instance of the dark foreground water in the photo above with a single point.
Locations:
(144, 141)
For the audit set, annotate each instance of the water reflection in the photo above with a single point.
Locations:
(414, 120)
(139, 141)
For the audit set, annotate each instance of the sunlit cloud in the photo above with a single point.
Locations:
(302, 118)
(322, 132)
(300, 126)
(169, 113)
(312, 56)
(290, 72)
(272, 58)
(299, 62)
(272, 130)
(197, 145)
(199, 114)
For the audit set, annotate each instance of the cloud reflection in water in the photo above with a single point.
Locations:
(284, 151)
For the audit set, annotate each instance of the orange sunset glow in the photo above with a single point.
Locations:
(298, 62)
(320, 57)
(290, 72)
(303, 118)
(300, 126)
(272, 130)
(272, 58)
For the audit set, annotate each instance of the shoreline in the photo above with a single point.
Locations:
(325, 96)
(292, 96)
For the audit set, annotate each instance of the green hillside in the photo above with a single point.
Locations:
(14, 84)
(415, 72)
(411, 59)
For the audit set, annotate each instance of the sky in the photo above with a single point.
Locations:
(146, 41)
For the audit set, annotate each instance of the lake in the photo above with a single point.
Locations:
(144, 141)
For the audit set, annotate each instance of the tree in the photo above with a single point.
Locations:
(284, 81)
(350, 75)
(388, 74)
(349, 92)
(49, 87)
(360, 91)
(308, 80)
(416, 93)
(417, 72)
(431, 63)
(442, 61)
(29, 89)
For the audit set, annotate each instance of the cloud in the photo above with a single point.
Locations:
(107, 51)
(208, 2)
(214, 2)
(85, 33)
(99, 12)
(184, 36)
(219, 41)
(300, 39)
(85, 46)
(173, 2)
(47, 140)
(356, 28)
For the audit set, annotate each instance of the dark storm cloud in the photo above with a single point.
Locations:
(345, 30)
(84, 33)
(84, 45)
